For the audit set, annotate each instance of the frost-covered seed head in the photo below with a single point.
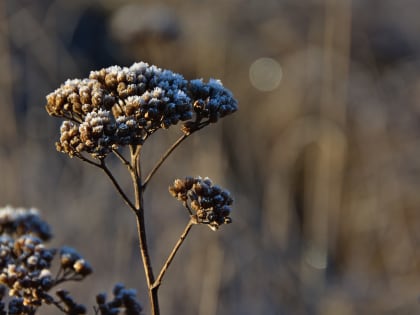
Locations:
(145, 97)
(209, 203)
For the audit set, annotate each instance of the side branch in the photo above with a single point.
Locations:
(178, 244)
(117, 186)
(163, 158)
(85, 159)
(171, 149)
(122, 159)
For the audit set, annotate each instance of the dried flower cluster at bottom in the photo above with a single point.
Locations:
(26, 266)
(118, 106)
(207, 203)
(20, 221)
(124, 299)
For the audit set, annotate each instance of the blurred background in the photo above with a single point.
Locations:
(323, 157)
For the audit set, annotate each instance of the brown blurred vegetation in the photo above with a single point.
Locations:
(325, 169)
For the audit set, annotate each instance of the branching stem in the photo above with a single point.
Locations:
(84, 159)
(134, 167)
(122, 159)
(171, 256)
(127, 200)
(141, 228)
(169, 151)
(163, 158)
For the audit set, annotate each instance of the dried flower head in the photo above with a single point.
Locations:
(69, 305)
(118, 106)
(211, 101)
(124, 299)
(20, 221)
(76, 98)
(207, 203)
(17, 307)
(26, 263)
(72, 262)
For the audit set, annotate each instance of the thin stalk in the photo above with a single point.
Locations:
(117, 186)
(163, 158)
(122, 159)
(105, 168)
(147, 265)
(58, 305)
(85, 159)
(141, 228)
(171, 256)
(169, 151)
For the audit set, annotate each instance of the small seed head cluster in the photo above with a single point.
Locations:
(207, 203)
(118, 106)
(25, 263)
(72, 261)
(18, 222)
(25, 269)
(124, 301)
(212, 101)
(15, 307)
(68, 304)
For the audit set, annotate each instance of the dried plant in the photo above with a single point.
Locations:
(121, 107)
(26, 272)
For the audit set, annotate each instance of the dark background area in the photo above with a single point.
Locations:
(323, 157)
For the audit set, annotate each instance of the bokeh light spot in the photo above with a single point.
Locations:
(265, 74)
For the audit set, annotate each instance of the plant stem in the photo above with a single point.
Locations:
(84, 159)
(163, 158)
(141, 228)
(171, 256)
(117, 186)
(122, 159)
(153, 294)
(169, 151)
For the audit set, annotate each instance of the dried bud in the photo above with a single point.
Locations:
(20, 221)
(82, 267)
(101, 298)
(68, 256)
(124, 299)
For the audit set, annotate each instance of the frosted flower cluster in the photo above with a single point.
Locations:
(207, 203)
(25, 269)
(124, 301)
(20, 221)
(25, 262)
(118, 106)
(212, 101)
(26, 266)
(72, 262)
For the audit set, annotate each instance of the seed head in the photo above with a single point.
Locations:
(211, 101)
(20, 221)
(119, 106)
(124, 299)
(208, 204)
